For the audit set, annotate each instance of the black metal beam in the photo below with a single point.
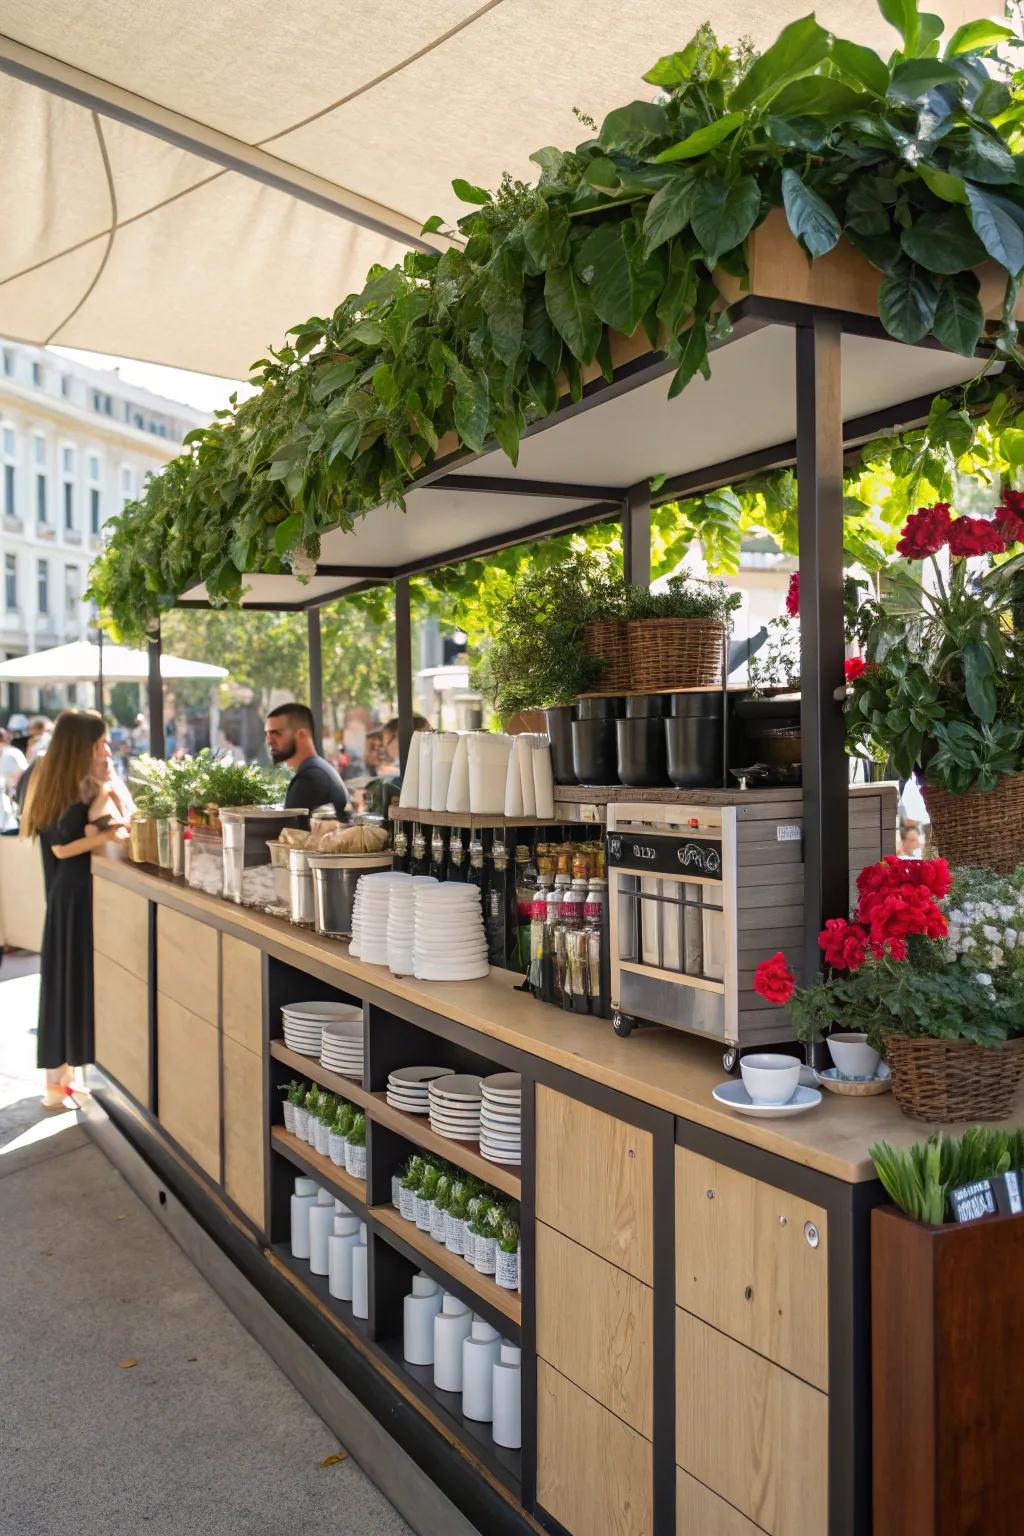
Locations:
(636, 535)
(403, 667)
(503, 485)
(316, 672)
(820, 530)
(155, 693)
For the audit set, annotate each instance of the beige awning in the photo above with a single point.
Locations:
(181, 182)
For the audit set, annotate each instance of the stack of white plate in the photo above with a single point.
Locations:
(375, 891)
(342, 1047)
(455, 1107)
(303, 1024)
(501, 1118)
(401, 922)
(449, 942)
(408, 1088)
(357, 919)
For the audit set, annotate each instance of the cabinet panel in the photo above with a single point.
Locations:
(699, 1512)
(243, 1130)
(596, 1184)
(605, 1346)
(593, 1472)
(751, 1432)
(186, 963)
(121, 1004)
(120, 926)
(241, 992)
(735, 1235)
(189, 1082)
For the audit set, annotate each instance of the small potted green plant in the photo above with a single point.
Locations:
(340, 1127)
(476, 1203)
(355, 1146)
(410, 1184)
(463, 1188)
(312, 1104)
(154, 803)
(426, 1192)
(327, 1108)
(486, 1229)
(294, 1093)
(506, 1272)
(439, 1211)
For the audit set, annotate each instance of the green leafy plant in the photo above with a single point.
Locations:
(443, 1191)
(344, 1115)
(313, 1100)
(508, 1235)
(913, 159)
(229, 784)
(295, 1091)
(356, 1133)
(413, 1173)
(327, 1108)
(919, 1178)
(464, 1192)
(150, 789)
(685, 597)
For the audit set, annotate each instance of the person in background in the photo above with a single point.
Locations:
(18, 727)
(68, 781)
(289, 733)
(13, 762)
(389, 735)
(911, 842)
(229, 750)
(40, 728)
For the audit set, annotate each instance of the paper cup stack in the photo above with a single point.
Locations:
(408, 1088)
(455, 1106)
(304, 1022)
(449, 942)
(401, 922)
(501, 1118)
(342, 1045)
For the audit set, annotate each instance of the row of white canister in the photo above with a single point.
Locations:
(467, 1354)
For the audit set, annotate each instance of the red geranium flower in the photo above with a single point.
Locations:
(772, 980)
(854, 667)
(933, 874)
(793, 596)
(1010, 517)
(844, 944)
(975, 536)
(925, 531)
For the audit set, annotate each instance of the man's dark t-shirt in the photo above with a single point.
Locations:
(316, 783)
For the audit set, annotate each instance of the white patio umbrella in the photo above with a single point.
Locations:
(84, 662)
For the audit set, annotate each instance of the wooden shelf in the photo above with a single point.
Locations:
(436, 1256)
(466, 819)
(319, 1167)
(464, 1154)
(309, 1066)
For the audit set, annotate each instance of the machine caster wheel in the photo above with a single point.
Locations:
(731, 1058)
(622, 1024)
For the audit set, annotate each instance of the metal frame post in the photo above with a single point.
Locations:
(316, 673)
(636, 535)
(155, 693)
(403, 666)
(819, 429)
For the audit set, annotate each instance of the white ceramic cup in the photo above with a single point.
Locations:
(770, 1078)
(852, 1055)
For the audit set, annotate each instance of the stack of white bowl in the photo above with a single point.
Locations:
(303, 1024)
(455, 1106)
(501, 1134)
(401, 922)
(342, 1045)
(408, 1088)
(449, 942)
(375, 891)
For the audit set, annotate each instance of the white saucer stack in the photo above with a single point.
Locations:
(455, 1106)
(401, 922)
(342, 1046)
(449, 942)
(375, 891)
(408, 1088)
(501, 1118)
(304, 1022)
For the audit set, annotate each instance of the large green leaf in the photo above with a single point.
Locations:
(866, 214)
(999, 225)
(861, 64)
(702, 139)
(975, 35)
(504, 309)
(903, 15)
(634, 128)
(943, 242)
(546, 235)
(669, 210)
(724, 213)
(950, 188)
(797, 50)
(914, 78)
(572, 312)
(472, 410)
(979, 680)
(818, 96)
(810, 218)
(907, 301)
(466, 192)
(959, 320)
(622, 283)
(542, 340)
(984, 158)
(673, 68)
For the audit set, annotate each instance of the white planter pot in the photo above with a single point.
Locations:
(468, 1243)
(396, 1191)
(423, 1210)
(289, 1116)
(454, 1232)
(484, 1253)
(301, 1120)
(438, 1224)
(506, 1270)
(407, 1204)
(322, 1137)
(336, 1149)
(355, 1161)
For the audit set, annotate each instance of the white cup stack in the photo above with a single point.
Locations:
(342, 1046)
(402, 922)
(455, 1106)
(449, 942)
(501, 1111)
(373, 913)
(408, 1088)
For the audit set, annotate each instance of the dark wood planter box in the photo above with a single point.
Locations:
(947, 1356)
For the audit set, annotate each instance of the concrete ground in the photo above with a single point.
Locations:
(132, 1399)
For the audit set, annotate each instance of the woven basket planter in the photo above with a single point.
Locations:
(943, 1080)
(983, 828)
(675, 653)
(608, 641)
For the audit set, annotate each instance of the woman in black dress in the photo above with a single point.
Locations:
(71, 778)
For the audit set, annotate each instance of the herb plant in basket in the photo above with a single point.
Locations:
(951, 1036)
(677, 637)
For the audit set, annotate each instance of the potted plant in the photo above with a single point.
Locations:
(506, 1272)
(951, 1035)
(312, 1103)
(486, 1226)
(943, 687)
(340, 1127)
(476, 1203)
(462, 1191)
(410, 1186)
(439, 1210)
(355, 1146)
(327, 1108)
(154, 801)
(426, 1192)
(677, 637)
(300, 1110)
(294, 1093)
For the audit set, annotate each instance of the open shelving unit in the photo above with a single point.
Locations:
(320, 1168)
(450, 1270)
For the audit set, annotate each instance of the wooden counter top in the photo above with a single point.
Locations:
(662, 1067)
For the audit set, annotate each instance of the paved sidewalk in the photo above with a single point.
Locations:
(132, 1400)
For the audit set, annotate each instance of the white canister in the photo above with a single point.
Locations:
(423, 1210)
(420, 1308)
(506, 1270)
(438, 1223)
(342, 1244)
(454, 1229)
(322, 1137)
(289, 1116)
(324, 1196)
(321, 1225)
(484, 1252)
(452, 1327)
(336, 1149)
(360, 1286)
(355, 1161)
(506, 1393)
(407, 1204)
(341, 1209)
(479, 1353)
(468, 1243)
(302, 1203)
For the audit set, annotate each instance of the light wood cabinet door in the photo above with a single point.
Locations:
(751, 1432)
(699, 1512)
(606, 1345)
(594, 1473)
(121, 1006)
(243, 1130)
(187, 956)
(120, 926)
(188, 1085)
(595, 1181)
(745, 1265)
(241, 992)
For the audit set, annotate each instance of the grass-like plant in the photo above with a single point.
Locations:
(919, 1178)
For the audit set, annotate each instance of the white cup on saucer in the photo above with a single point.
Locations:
(852, 1055)
(770, 1078)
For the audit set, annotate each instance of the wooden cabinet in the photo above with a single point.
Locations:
(241, 985)
(593, 1471)
(187, 967)
(699, 1512)
(121, 1006)
(597, 1183)
(595, 1325)
(751, 1432)
(243, 1112)
(120, 927)
(188, 1051)
(745, 1265)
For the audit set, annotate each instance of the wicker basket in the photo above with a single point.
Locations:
(608, 640)
(675, 653)
(982, 828)
(943, 1080)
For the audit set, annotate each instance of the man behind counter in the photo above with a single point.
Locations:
(289, 733)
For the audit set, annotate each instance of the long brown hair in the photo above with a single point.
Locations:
(60, 778)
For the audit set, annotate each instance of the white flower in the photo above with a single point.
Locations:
(983, 979)
(991, 933)
(997, 956)
(1010, 938)
(969, 943)
(1005, 912)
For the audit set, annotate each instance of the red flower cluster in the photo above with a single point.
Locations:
(773, 981)
(793, 596)
(1010, 517)
(844, 944)
(925, 531)
(854, 667)
(975, 536)
(930, 529)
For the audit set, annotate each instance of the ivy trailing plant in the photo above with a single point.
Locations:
(915, 160)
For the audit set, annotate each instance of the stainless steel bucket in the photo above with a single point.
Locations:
(335, 877)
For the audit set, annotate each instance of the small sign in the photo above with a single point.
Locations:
(972, 1201)
(788, 832)
(1007, 1190)
(654, 854)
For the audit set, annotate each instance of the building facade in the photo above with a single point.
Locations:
(76, 443)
